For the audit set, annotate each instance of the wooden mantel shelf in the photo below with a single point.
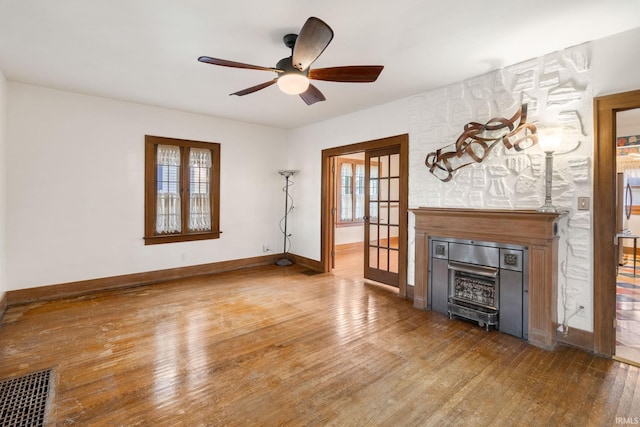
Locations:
(538, 231)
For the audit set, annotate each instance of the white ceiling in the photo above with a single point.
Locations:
(145, 50)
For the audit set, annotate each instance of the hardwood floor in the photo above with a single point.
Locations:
(280, 346)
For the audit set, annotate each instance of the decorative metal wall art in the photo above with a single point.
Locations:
(477, 140)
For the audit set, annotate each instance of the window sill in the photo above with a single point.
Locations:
(172, 238)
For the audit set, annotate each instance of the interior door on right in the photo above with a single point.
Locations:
(382, 215)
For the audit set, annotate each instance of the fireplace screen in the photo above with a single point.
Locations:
(475, 290)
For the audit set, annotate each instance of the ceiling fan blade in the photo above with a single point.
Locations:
(233, 64)
(313, 39)
(312, 95)
(255, 88)
(349, 74)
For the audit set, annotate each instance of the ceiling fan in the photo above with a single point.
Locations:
(294, 72)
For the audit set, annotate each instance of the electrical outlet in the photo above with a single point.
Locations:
(265, 248)
(580, 310)
(583, 203)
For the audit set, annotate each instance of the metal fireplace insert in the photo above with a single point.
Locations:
(485, 282)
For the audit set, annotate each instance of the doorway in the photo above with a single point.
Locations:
(604, 217)
(348, 221)
(385, 210)
(628, 229)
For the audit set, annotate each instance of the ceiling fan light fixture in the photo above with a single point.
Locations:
(293, 83)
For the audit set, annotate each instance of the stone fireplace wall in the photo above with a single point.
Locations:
(558, 91)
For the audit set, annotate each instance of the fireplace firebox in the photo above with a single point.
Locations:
(484, 282)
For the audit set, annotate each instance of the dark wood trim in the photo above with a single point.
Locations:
(410, 292)
(326, 244)
(604, 211)
(3, 303)
(311, 264)
(85, 287)
(158, 240)
(576, 338)
(150, 236)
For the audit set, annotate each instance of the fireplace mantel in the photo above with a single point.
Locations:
(536, 230)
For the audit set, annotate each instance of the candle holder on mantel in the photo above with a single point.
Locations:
(549, 140)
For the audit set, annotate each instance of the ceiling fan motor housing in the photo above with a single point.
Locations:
(285, 64)
(292, 81)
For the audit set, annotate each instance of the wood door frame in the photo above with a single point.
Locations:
(326, 239)
(604, 217)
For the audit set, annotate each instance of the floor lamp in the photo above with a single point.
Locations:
(287, 174)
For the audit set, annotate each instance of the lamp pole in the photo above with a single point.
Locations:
(548, 204)
(549, 139)
(287, 174)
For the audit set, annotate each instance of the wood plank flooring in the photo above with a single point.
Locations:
(275, 346)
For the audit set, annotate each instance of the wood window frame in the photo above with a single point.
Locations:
(339, 162)
(151, 237)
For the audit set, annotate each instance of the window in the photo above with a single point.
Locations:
(351, 191)
(182, 190)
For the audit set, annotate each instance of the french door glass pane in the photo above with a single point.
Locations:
(394, 214)
(384, 166)
(373, 235)
(383, 259)
(373, 212)
(394, 167)
(373, 257)
(393, 261)
(383, 234)
(393, 236)
(384, 213)
(384, 189)
(394, 189)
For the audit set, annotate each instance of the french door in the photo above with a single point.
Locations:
(382, 215)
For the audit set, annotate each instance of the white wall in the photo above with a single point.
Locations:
(611, 66)
(76, 192)
(616, 63)
(3, 202)
(351, 234)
